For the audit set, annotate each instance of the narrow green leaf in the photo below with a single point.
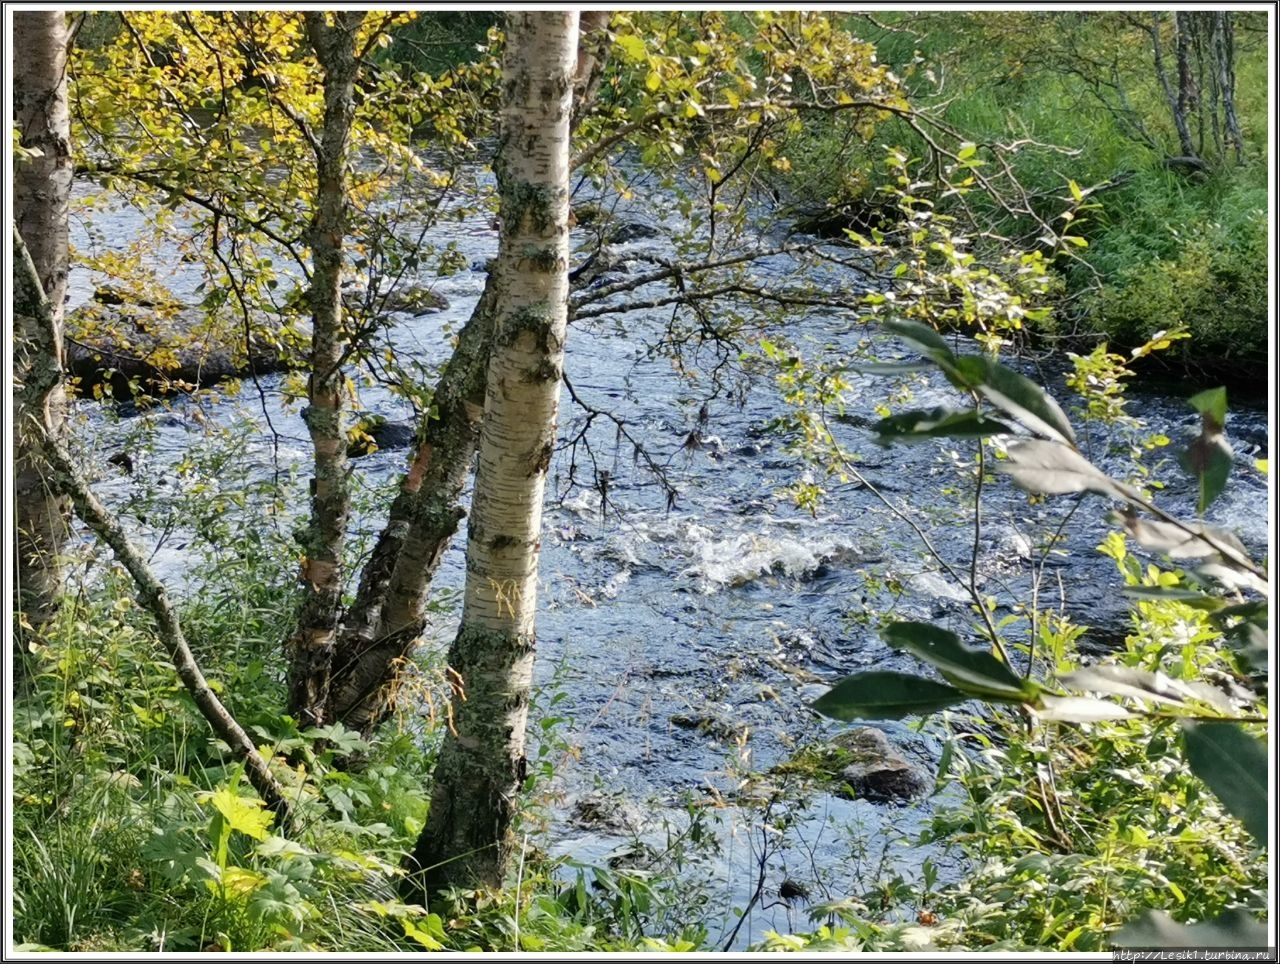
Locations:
(1188, 597)
(1155, 929)
(1234, 765)
(1208, 458)
(1016, 396)
(918, 425)
(885, 695)
(973, 671)
(1078, 709)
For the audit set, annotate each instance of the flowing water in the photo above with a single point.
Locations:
(681, 638)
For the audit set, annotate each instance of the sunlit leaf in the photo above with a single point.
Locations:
(974, 671)
(1234, 765)
(242, 813)
(1051, 468)
(1016, 396)
(1191, 541)
(1144, 685)
(1079, 709)
(885, 695)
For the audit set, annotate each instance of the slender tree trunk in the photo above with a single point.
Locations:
(41, 189)
(386, 620)
(467, 839)
(1187, 93)
(1225, 64)
(332, 36)
(1175, 99)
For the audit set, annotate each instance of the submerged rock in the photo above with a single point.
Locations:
(861, 764)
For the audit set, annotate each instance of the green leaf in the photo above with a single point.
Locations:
(1208, 458)
(885, 695)
(973, 671)
(241, 813)
(1015, 395)
(1051, 468)
(1156, 929)
(1212, 405)
(1234, 765)
(917, 425)
(1188, 597)
(924, 338)
(632, 47)
(890, 368)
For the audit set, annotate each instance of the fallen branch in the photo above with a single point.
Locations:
(63, 477)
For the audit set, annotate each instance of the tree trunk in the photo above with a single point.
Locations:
(1174, 99)
(41, 189)
(386, 620)
(384, 624)
(1224, 62)
(467, 839)
(311, 648)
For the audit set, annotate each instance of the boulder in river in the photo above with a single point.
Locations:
(372, 433)
(861, 764)
(152, 347)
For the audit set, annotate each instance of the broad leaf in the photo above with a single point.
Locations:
(918, 425)
(885, 695)
(1078, 709)
(1017, 396)
(1208, 457)
(1190, 541)
(973, 671)
(1212, 406)
(242, 813)
(1051, 468)
(1234, 765)
(925, 338)
(1155, 929)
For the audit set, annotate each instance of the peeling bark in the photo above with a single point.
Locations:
(312, 645)
(41, 190)
(467, 840)
(384, 623)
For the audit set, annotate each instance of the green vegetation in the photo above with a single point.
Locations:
(1082, 792)
(1168, 246)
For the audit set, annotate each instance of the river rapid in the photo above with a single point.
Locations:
(682, 637)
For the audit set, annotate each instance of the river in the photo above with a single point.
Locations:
(681, 639)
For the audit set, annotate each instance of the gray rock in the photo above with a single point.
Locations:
(879, 772)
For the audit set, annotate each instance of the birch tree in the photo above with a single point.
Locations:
(467, 839)
(42, 187)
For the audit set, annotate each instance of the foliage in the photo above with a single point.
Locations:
(1078, 94)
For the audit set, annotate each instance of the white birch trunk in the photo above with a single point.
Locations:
(42, 187)
(467, 839)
